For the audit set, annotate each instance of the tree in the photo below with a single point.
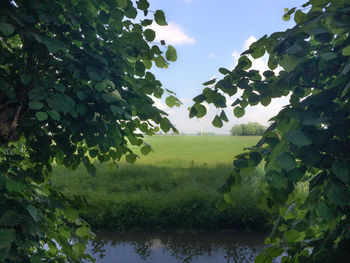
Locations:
(74, 85)
(236, 130)
(250, 128)
(305, 152)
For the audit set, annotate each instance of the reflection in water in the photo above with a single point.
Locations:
(166, 247)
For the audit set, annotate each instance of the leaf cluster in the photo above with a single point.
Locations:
(305, 152)
(75, 87)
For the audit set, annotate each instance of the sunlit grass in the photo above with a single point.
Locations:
(173, 187)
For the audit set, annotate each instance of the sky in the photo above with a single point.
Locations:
(209, 34)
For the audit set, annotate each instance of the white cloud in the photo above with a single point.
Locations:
(235, 55)
(211, 56)
(172, 34)
(248, 42)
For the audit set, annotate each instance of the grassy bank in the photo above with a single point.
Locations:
(174, 187)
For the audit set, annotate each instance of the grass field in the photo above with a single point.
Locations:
(174, 187)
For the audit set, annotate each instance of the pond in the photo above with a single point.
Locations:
(217, 247)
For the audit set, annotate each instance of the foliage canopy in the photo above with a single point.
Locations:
(306, 150)
(74, 85)
(246, 129)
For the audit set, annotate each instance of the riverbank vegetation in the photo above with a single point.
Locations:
(174, 187)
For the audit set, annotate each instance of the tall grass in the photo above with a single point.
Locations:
(175, 187)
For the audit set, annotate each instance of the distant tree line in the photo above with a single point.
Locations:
(246, 129)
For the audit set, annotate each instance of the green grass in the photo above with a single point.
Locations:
(174, 187)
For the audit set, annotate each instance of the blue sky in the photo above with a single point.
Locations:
(209, 34)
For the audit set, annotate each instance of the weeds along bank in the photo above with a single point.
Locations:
(174, 187)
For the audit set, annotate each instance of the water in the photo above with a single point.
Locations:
(171, 247)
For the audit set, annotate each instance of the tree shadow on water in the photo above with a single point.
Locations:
(186, 248)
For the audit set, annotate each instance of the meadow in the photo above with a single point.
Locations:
(174, 187)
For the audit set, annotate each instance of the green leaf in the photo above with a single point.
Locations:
(7, 236)
(346, 90)
(223, 116)
(149, 34)
(130, 12)
(146, 149)
(94, 73)
(341, 171)
(93, 153)
(81, 95)
(328, 56)
(14, 186)
(147, 63)
(83, 232)
(122, 3)
(171, 101)
(286, 161)
(35, 213)
(222, 205)
(159, 17)
(346, 51)
(199, 99)
(117, 14)
(324, 211)
(241, 163)
(10, 218)
(265, 101)
(71, 214)
(295, 48)
(295, 175)
(299, 16)
(263, 258)
(6, 28)
(337, 193)
(277, 180)
(142, 4)
(35, 105)
(286, 17)
(244, 63)
(238, 112)
(209, 82)
(81, 108)
(171, 54)
(130, 158)
(36, 258)
(53, 45)
(289, 62)
(229, 198)
(116, 110)
(292, 236)
(164, 125)
(298, 138)
(89, 166)
(79, 248)
(41, 116)
(226, 187)
(257, 49)
(193, 112)
(25, 79)
(160, 62)
(272, 62)
(217, 122)
(224, 71)
(54, 115)
(201, 110)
